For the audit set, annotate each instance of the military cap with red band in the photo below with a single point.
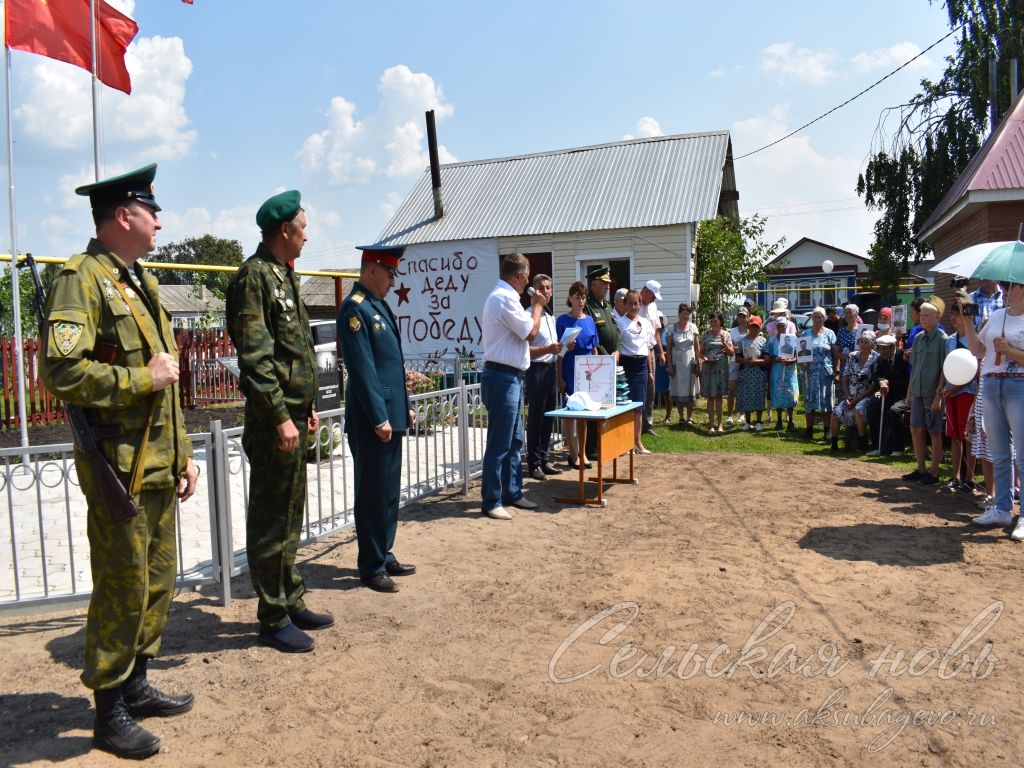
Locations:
(385, 255)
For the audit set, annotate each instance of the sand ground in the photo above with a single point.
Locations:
(816, 599)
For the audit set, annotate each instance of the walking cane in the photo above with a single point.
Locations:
(881, 424)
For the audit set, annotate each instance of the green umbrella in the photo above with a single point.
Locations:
(1005, 264)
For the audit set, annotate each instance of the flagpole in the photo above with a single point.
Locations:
(95, 97)
(16, 294)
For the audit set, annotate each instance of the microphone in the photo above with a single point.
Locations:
(530, 291)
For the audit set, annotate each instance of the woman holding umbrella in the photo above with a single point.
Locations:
(1000, 344)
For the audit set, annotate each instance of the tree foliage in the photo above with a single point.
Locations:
(922, 146)
(730, 256)
(26, 290)
(199, 250)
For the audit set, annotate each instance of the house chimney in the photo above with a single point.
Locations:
(435, 165)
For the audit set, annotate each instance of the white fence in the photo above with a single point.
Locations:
(44, 550)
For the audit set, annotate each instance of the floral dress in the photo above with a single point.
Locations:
(818, 374)
(714, 375)
(751, 379)
(847, 341)
(684, 384)
(782, 384)
(858, 381)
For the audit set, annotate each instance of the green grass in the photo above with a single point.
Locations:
(676, 438)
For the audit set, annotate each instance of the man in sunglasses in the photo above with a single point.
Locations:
(378, 413)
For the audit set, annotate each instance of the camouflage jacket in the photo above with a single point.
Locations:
(270, 329)
(95, 355)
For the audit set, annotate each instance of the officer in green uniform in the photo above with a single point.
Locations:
(377, 413)
(269, 327)
(599, 308)
(608, 338)
(109, 347)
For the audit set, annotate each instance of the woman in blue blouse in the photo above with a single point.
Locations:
(586, 342)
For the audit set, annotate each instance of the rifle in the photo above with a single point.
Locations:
(116, 500)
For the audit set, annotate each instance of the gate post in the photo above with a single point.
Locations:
(224, 559)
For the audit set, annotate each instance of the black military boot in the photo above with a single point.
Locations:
(116, 732)
(143, 700)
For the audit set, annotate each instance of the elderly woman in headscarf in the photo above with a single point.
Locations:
(846, 336)
(858, 386)
(818, 373)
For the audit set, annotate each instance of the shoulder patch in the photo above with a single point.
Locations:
(358, 297)
(66, 336)
(353, 324)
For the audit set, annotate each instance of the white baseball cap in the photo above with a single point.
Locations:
(654, 287)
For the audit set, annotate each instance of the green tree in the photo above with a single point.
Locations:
(208, 250)
(730, 256)
(922, 146)
(26, 290)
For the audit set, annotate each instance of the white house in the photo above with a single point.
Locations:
(633, 205)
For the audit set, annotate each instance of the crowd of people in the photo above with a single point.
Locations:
(850, 376)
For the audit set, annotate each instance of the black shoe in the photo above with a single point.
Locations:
(308, 620)
(778, 425)
(952, 486)
(287, 639)
(573, 464)
(115, 731)
(967, 487)
(143, 700)
(547, 469)
(928, 479)
(913, 477)
(650, 431)
(834, 447)
(380, 582)
(397, 569)
(809, 433)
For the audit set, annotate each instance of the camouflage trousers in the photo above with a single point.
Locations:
(134, 564)
(277, 497)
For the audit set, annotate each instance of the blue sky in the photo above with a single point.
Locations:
(237, 100)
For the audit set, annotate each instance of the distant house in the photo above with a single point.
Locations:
(800, 278)
(192, 306)
(631, 205)
(320, 297)
(986, 203)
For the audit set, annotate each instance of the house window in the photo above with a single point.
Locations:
(829, 294)
(619, 269)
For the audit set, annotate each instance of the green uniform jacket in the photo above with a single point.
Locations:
(372, 349)
(95, 355)
(608, 339)
(269, 327)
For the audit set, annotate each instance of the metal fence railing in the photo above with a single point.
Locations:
(44, 551)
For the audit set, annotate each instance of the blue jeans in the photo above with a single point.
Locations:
(1004, 421)
(502, 480)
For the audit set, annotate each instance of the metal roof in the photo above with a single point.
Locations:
(998, 165)
(189, 299)
(638, 183)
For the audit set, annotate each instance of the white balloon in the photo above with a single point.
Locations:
(826, 266)
(959, 367)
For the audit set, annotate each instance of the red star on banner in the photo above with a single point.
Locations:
(402, 293)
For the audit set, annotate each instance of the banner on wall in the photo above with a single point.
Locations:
(439, 294)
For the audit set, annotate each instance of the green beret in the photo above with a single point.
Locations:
(282, 207)
(135, 185)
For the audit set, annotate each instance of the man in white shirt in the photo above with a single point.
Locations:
(508, 330)
(540, 388)
(650, 295)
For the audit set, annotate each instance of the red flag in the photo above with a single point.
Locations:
(189, 2)
(60, 29)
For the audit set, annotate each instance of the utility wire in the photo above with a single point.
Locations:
(904, 65)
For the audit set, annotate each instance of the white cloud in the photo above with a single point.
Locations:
(55, 102)
(794, 172)
(389, 142)
(890, 58)
(806, 65)
(390, 205)
(717, 72)
(646, 127)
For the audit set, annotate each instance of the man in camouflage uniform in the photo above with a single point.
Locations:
(377, 413)
(109, 347)
(269, 327)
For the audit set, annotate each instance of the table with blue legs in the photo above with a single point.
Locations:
(614, 439)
